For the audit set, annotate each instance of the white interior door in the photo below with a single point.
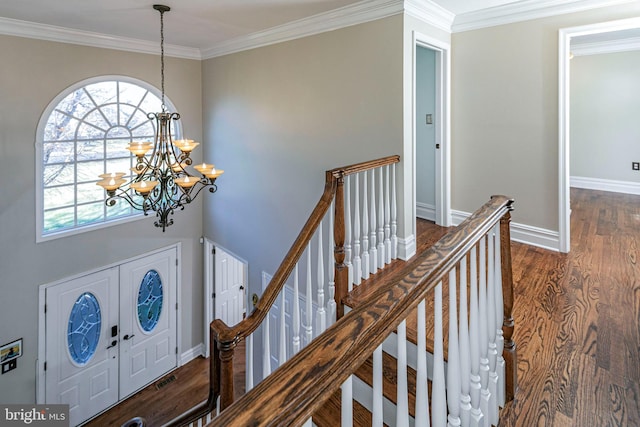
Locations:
(147, 320)
(81, 353)
(230, 283)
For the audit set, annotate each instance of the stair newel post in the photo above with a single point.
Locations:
(373, 230)
(509, 353)
(500, 366)
(341, 271)
(226, 349)
(465, 362)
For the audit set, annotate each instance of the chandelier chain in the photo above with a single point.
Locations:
(162, 57)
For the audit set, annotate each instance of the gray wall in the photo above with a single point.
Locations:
(277, 117)
(425, 133)
(605, 116)
(32, 74)
(505, 113)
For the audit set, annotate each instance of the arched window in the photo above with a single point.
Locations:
(83, 133)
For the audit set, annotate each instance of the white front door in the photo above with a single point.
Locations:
(147, 320)
(81, 353)
(230, 282)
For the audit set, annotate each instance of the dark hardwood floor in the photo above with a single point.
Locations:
(577, 328)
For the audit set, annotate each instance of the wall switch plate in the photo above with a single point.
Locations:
(429, 119)
(635, 166)
(9, 366)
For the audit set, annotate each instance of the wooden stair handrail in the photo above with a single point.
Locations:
(227, 337)
(292, 393)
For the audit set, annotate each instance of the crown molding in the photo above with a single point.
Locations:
(32, 30)
(609, 46)
(525, 10)
(431, 13)
(357, 13)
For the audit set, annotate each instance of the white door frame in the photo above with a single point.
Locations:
(209, 288)
(40, 373)
(564, 137)
(441, 122)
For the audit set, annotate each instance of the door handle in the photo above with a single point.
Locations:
(113, 344)
(241, 288)
(128, 337)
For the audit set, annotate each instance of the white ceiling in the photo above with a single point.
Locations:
(191, 23)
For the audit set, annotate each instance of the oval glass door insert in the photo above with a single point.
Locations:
(150, 298)
(83, 329)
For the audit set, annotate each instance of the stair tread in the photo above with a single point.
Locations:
(329, 415)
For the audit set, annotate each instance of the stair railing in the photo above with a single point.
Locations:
(306, 274)
(475, 259)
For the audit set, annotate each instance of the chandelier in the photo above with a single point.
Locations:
(160, 182)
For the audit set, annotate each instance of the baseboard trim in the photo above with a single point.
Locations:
(406, 247)
(426, 211)
(191, 354)
(522, 233)
(627, 187)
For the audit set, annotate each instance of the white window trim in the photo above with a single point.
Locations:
(39, 147)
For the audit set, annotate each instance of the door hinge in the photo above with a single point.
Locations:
(45, 308)
(213, 251)
(176, 350)
(45, 366)
(213, 295)
(176, 306)
(176, 262)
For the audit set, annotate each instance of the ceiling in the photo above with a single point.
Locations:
(198, 24)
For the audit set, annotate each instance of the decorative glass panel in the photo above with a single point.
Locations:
(150, 300)
(83, 331)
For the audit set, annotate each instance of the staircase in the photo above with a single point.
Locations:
(425, 342)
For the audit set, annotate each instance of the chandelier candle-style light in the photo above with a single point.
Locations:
(160, 182)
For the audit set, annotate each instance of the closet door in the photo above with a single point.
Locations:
(147, 320)
(82, 344)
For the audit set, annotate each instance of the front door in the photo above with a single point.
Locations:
(81, 353)
(147, 320)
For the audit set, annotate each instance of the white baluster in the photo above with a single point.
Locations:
(394, 214)
(491, 329)
(322, 314)
(357, 260)
(387, 218)
(402, 398)
(347, 231)
(365, 228)
(381, 248)
(266, 347)
(422, 377)
(453, 362)
(347, 402)
(465, 362)
(308, 423)
(308, 328)
(282, 357)
(373, 249)
(438, 388)
(249, 359)
(331, 301)
(377, 418)
(499, 319)
(485, 395)
(295, 344)
(477, 418)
